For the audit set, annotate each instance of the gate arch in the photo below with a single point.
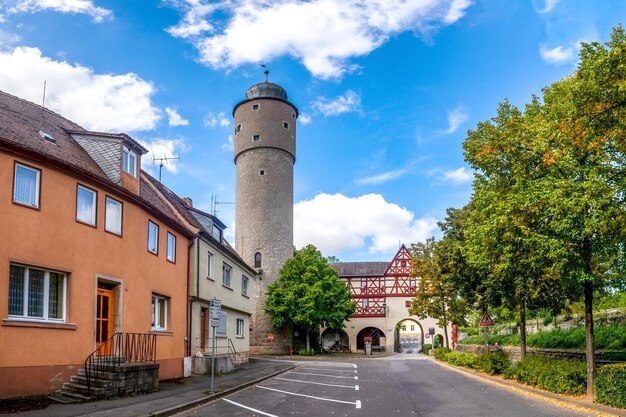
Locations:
(335, 340)
(374, 332)
(408, 336)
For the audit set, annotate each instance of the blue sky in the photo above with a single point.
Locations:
(386, 91)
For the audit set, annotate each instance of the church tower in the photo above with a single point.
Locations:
(265, 153)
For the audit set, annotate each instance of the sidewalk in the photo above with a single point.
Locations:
(172, 397)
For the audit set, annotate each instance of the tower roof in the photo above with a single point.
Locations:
(266, 90)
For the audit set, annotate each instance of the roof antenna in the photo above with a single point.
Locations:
(266, 72)
(43, 101)
(166, 159)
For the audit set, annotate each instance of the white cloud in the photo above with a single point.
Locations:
(63, 6)
(162, 148)
(229, 145)
(335, 223)
(174, 119)
(558, 55)
(456, 118)
(548, 6)
(101, 102)
(322, 34)
(305, 119)
(382, 178)
(347, 103)
(7, 38)
(211, 120)
(461, 175)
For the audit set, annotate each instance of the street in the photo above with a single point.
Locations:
(402, 385)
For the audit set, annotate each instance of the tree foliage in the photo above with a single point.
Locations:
(309, 294)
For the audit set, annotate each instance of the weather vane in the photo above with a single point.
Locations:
(266, 72)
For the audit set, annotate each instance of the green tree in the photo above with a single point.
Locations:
(309, 294)
(436, 296)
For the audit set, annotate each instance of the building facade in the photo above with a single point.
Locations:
(383, 292)
(265, 153)
(87, 249)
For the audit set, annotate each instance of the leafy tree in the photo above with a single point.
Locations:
(436, 296)
(309, 294)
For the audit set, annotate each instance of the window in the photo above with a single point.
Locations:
(365, 302)
(262, 172)
(255, 107)
(216, 232)
(159, 312)
(286, 125)
(86, 205)
(210, 263)
(153, 237)
(226, 275)
(256, 138)
(222, 329)
(129, 161)
(113, 216)
(240, 324)
(238, 129)
(404, 327)
(257, 260)
(407, 304)
(26, 185)
(36, 293)
(412, 327)
(244, 285)
(171, 247)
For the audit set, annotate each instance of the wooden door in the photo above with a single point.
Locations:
(203, 328)
(104, 320)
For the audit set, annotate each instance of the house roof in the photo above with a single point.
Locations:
(360, 269)
(41, 134)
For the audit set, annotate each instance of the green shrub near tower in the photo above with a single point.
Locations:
(611, 385)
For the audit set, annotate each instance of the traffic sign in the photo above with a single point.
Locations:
(431, 330)
(486, 321)
(215, 308)
(215, 323)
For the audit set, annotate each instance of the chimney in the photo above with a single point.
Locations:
(188, 202)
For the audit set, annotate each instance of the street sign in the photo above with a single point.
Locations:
(215, 322)
(431, 330)
(486, 321)
(426, 335)
(215, 309)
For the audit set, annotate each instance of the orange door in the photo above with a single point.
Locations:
(104, 320)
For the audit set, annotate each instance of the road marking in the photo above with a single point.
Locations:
(326, 376)
(250, 408)
(356, 387)
(357, 403)
(330, 369)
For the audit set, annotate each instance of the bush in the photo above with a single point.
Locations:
(494, 363)
(440, 354)
(611, 385)
(468, 360)
(426, 347)
(305, 352)
(561, 376)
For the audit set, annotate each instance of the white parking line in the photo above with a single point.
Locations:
(355, 387)
(327, 376)
(249, 408)
(357, 403)
(330, 369)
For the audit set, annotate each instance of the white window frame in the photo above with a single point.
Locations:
(108, 215)
(171, 247)
(35, 203)
(222, 329)
(46, 296)
(210, 265)
(245, 285)
(91, 218)
(153, 226)
(240, 327)
(157, 302)
(226, 273)
(129, 161)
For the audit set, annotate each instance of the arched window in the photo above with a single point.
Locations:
(257, 260)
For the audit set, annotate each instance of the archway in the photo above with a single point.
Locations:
(335, 340)
(408, 336)
(373, 332)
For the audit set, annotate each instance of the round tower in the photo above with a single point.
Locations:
(265, 152)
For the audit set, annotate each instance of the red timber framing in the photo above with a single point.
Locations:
(370, 292)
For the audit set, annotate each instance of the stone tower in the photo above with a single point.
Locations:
(265, 152)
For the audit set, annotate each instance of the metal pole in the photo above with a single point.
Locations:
(213, 360)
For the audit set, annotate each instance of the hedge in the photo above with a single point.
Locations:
(561, 376)
(611, 385)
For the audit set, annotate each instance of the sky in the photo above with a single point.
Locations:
(386, 91)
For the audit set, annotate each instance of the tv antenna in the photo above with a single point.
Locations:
(215, 203)
(266, 72)
(164, 159)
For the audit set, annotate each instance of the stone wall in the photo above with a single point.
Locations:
(514, 352)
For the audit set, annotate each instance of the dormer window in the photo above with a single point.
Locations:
(47, 136)
(129, 161)
(217, 233)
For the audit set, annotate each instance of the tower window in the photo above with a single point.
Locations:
(286, 125)
(256, 138)
(293, 115)
(238, 129)
(257, 260)
(255, 107)
(262, 172)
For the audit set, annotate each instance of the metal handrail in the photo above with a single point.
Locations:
(120, 348)
(232, 352)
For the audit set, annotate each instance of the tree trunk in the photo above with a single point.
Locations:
(589, 338)
(522, 329)
(445, 332)
(308, 342)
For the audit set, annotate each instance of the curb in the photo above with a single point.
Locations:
(556, 399)
(209, 398)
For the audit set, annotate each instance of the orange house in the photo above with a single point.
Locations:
(88, 249)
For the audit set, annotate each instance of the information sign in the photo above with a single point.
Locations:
(216, 309)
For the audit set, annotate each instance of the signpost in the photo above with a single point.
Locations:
(486, 321)
(215, 313)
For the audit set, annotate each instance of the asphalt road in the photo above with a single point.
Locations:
(402, 385)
